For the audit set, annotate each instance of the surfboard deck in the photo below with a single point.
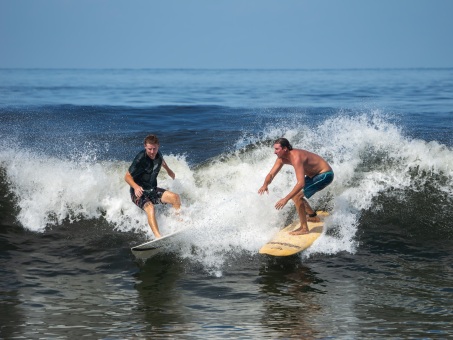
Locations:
(153, 247)
(284, 244)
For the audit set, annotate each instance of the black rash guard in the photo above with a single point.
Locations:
(144, 170)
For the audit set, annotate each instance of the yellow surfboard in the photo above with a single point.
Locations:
(284, 244)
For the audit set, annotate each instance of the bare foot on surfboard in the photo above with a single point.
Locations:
(299, 231)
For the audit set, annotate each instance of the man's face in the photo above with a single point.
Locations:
(151, 150)
(279, 151)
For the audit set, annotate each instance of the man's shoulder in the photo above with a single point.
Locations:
(141, 154)
(140, 157)
(299, 153)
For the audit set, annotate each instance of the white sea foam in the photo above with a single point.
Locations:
(220, 202)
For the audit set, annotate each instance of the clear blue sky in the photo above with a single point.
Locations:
(226, 33)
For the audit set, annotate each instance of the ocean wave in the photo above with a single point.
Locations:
(371, 158)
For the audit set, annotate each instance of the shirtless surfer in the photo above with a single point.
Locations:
(313, 174)
(142, 177)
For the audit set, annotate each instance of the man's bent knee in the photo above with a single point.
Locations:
(176, 201)
(298, 198)
(149, 207)
(171, 198)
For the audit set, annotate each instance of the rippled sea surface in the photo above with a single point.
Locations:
(382, 268)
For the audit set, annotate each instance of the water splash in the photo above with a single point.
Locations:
(370, 157)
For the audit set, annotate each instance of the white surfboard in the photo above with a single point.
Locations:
(152, 248)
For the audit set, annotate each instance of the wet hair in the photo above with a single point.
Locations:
(151, 139)
(284, 143)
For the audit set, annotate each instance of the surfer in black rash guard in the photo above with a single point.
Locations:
(313, 174)
(142, 178)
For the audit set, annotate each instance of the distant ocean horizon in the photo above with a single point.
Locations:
(383, 268)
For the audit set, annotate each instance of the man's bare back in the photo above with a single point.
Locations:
(312, 163)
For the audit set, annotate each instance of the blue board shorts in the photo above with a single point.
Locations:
(153, 196)
(317, 183)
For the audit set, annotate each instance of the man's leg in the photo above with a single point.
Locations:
(169, 197)
(312, 186)
(309, 211)
(149, 209)
(300, 207)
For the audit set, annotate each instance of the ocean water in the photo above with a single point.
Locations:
(382, 269)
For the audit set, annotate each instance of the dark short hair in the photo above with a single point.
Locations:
(151, 139)
(284, 143)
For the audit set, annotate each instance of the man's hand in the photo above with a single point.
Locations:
(138, 191)
(280, 204)
(263, 189)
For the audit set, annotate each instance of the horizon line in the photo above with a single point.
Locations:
(231, 68)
